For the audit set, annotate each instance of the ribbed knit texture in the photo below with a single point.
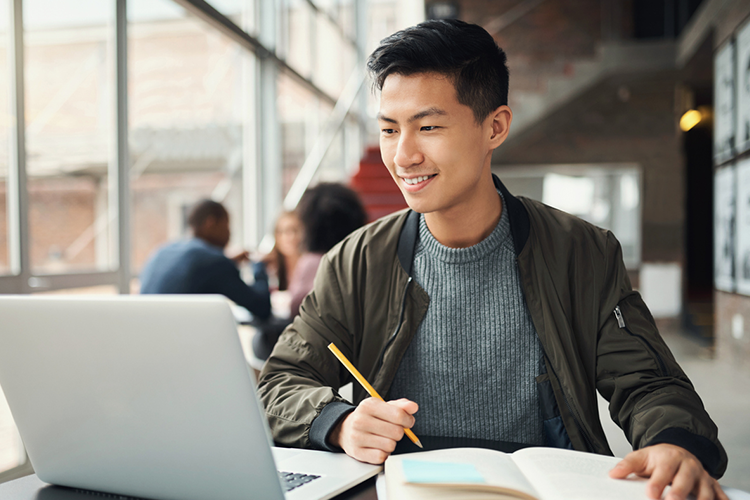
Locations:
(472, 364)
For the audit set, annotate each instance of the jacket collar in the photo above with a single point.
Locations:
(519, 227)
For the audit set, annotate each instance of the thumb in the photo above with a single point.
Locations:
(634, 462)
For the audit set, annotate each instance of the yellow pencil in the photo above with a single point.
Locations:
(370, 389)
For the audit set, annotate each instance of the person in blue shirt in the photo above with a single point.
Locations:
(198, 265)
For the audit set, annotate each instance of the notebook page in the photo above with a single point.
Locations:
(565, 474)
(496, 468)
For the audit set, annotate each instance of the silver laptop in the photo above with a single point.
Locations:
(149, 396)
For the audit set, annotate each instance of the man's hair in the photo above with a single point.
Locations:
(329, 212)
(464, 52)
(205, 209)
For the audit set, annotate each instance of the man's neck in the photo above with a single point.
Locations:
(207, 241)
(468, 224)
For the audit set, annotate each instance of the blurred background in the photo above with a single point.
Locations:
(116, 116)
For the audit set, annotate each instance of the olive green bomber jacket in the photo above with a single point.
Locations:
(595, 331)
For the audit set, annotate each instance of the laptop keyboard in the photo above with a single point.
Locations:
(291, 480)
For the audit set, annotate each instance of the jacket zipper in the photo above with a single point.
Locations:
(398, 327)
(622, 325)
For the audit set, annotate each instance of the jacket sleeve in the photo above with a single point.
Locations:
(300, 381)
(650, 397)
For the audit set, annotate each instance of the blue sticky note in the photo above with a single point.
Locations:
(421, 471)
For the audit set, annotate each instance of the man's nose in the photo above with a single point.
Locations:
(408, 152)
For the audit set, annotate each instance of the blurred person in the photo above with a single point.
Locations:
(282, 259)
(198, 264)
(329, 212)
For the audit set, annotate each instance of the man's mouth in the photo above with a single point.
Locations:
(417, 180)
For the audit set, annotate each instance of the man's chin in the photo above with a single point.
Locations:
(420, 208)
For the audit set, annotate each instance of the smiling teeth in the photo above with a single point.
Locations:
(417, 180)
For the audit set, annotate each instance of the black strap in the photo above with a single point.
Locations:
(519, 218)
(407, 241)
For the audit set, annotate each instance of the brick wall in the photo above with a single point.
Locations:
(543, 41)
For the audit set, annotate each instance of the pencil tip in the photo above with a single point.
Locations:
(419, 443)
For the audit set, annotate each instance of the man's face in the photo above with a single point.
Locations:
(215, 230)
(433, 147)
(222, 231)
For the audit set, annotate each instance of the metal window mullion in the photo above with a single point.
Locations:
(18, 200)
(270, 127)
(122, 167)
(361, 24)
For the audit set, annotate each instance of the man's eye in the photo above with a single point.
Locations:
(430, 127)
(387, 131)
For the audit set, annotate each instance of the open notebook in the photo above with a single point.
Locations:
(529, 474)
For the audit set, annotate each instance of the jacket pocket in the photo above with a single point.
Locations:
(623, 325)
(555, 434)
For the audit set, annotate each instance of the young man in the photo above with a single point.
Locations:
(198, 265)
(497, 317)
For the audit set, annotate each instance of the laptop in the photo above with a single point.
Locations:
(150, 397)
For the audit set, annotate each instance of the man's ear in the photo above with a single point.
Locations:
(206, 227)
(499, 121)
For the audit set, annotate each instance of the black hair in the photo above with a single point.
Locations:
(329, 212)
(205, 209)
(464, 52)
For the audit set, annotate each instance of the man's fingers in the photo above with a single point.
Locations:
(365, 424)
(704, 490)
(369, 455)
(660, 478)
(720, 495)
(407, 405)
(634, 462)
(392, 413)
(689, 478)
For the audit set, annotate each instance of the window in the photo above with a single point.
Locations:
(295, 37)
(187, 89)
(6, 122)
(69, 58)
(242, 12)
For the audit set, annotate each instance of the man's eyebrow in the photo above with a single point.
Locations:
(427, 112)
(422, 114)
(384, 118)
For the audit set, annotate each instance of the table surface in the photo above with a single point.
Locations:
(32, 488)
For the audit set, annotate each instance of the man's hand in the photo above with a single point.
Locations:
(371, 431)
(669, 464)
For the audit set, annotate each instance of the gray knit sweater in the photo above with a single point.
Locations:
(472, 364)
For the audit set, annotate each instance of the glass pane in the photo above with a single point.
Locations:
(242, 12)
(296, 35)
(6, 121)
(301, 122)
(188, 88)
(69, 58)
(331, 73)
